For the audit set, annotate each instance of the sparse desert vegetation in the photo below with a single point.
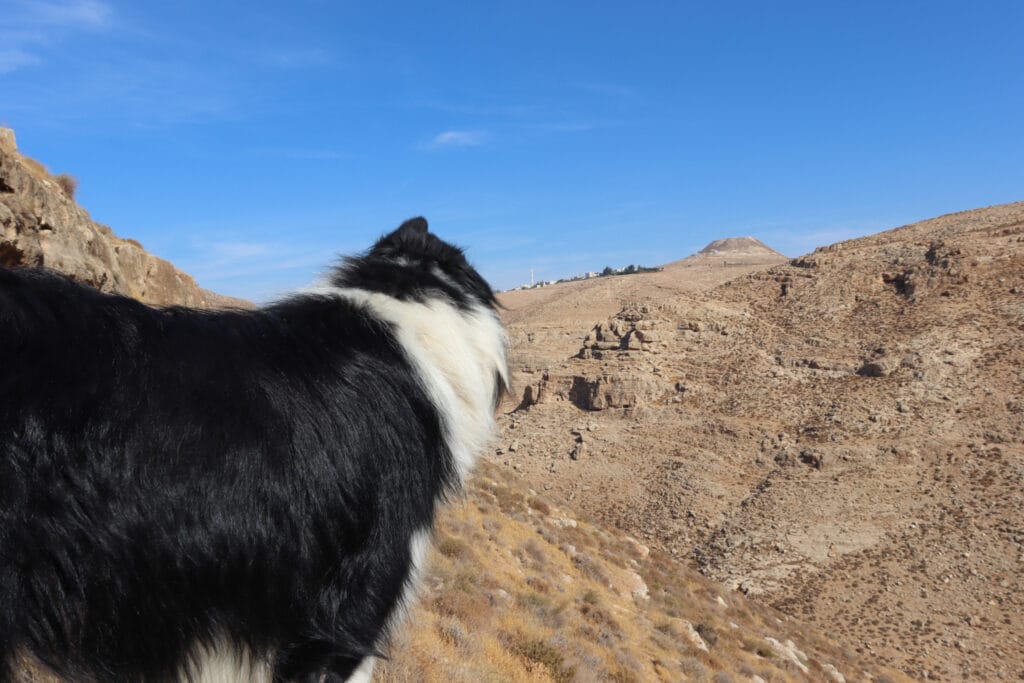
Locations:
(519, 589)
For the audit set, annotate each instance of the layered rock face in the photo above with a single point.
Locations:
(630, 330)
(40, 225)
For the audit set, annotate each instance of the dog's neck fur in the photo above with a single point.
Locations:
(459, 354)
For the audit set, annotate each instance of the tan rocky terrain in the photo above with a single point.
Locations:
(841, 436)
(40, 225)
(551, 317)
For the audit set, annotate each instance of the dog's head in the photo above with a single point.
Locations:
(411, 263)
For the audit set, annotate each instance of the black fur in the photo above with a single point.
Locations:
(172, 476)
(403, 263)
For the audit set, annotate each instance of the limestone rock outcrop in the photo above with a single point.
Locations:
(635, 328)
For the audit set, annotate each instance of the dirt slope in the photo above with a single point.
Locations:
(842, 435)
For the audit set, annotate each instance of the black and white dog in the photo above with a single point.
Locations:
(235, 495)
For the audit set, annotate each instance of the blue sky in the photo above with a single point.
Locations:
(251, 142)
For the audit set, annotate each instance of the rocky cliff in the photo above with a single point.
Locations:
(40, 225)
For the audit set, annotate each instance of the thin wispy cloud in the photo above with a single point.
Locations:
(551, 116)
(83, 14)
(457, 138)
(12, 59)
(233, 252)
(252, 269)
(153, 93)
(29, 29)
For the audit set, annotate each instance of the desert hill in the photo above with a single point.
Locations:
(555, 314)
(731, 251)
(841, 435)
(520, 588)
(740, 246)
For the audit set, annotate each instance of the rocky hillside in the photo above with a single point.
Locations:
(841, 435)
(40, 225)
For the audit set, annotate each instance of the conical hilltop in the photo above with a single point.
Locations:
(741, 246)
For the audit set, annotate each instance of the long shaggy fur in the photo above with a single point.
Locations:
(184, 493)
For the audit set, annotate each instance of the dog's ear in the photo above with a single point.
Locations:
(410, 235)
(413, 226)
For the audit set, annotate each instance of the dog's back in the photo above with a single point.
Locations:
(181, 488)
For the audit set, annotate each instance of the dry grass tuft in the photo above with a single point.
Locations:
(708, 633)
(67, 183)
(540, 652)
(35, 169)
(540, 505)
(450, 546)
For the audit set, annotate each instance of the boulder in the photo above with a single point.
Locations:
(614, 391)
